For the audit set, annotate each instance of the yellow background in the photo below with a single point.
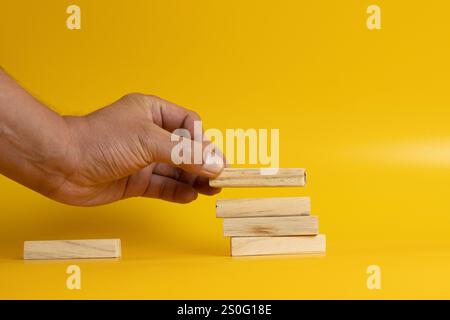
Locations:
(366, 112)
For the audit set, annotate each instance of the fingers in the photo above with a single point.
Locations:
(170, 190)
(200, 158)
(166, 182)
(167, 170)
(170, 117)
(190, 153)
(200, 184)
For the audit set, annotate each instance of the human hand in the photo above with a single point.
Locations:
(124, 150)
(120, 151)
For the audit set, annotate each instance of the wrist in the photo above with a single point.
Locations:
(54, 156)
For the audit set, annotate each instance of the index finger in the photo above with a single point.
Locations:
(170, 117)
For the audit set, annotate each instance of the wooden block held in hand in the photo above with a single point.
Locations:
(72, 249)
(255, 246)
(235, 177)
(271, 226)
(263, 207)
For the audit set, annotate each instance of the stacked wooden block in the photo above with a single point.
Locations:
(268, 226)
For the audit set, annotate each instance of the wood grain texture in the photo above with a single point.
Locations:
(234, 177)
(271, 226)
(263, 207)
(72, 249)
(255, 246)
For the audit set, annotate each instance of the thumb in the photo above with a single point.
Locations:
(202, 158)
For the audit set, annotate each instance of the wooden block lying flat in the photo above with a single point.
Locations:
(263, 207)
(255, 246)
(233, 177)
(72, 249)
(271, 226)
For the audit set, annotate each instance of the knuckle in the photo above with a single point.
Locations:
(152, 97)
(195, 115)
(132, 96)
(153, 102)
(142, 99)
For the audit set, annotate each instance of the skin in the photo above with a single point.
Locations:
(117, 152)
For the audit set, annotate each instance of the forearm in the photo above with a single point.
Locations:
(33, 138)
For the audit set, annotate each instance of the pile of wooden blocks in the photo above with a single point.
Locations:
(268, 226)
(259, 226)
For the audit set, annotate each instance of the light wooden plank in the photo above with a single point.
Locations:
(72, 249)
(256, 246)
(235, 177)
(271, 226)
(263, 207)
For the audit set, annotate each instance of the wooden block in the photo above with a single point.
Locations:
(263, 207)
(234, 177)
(255, 246)
(271, 226)
(72, 249)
